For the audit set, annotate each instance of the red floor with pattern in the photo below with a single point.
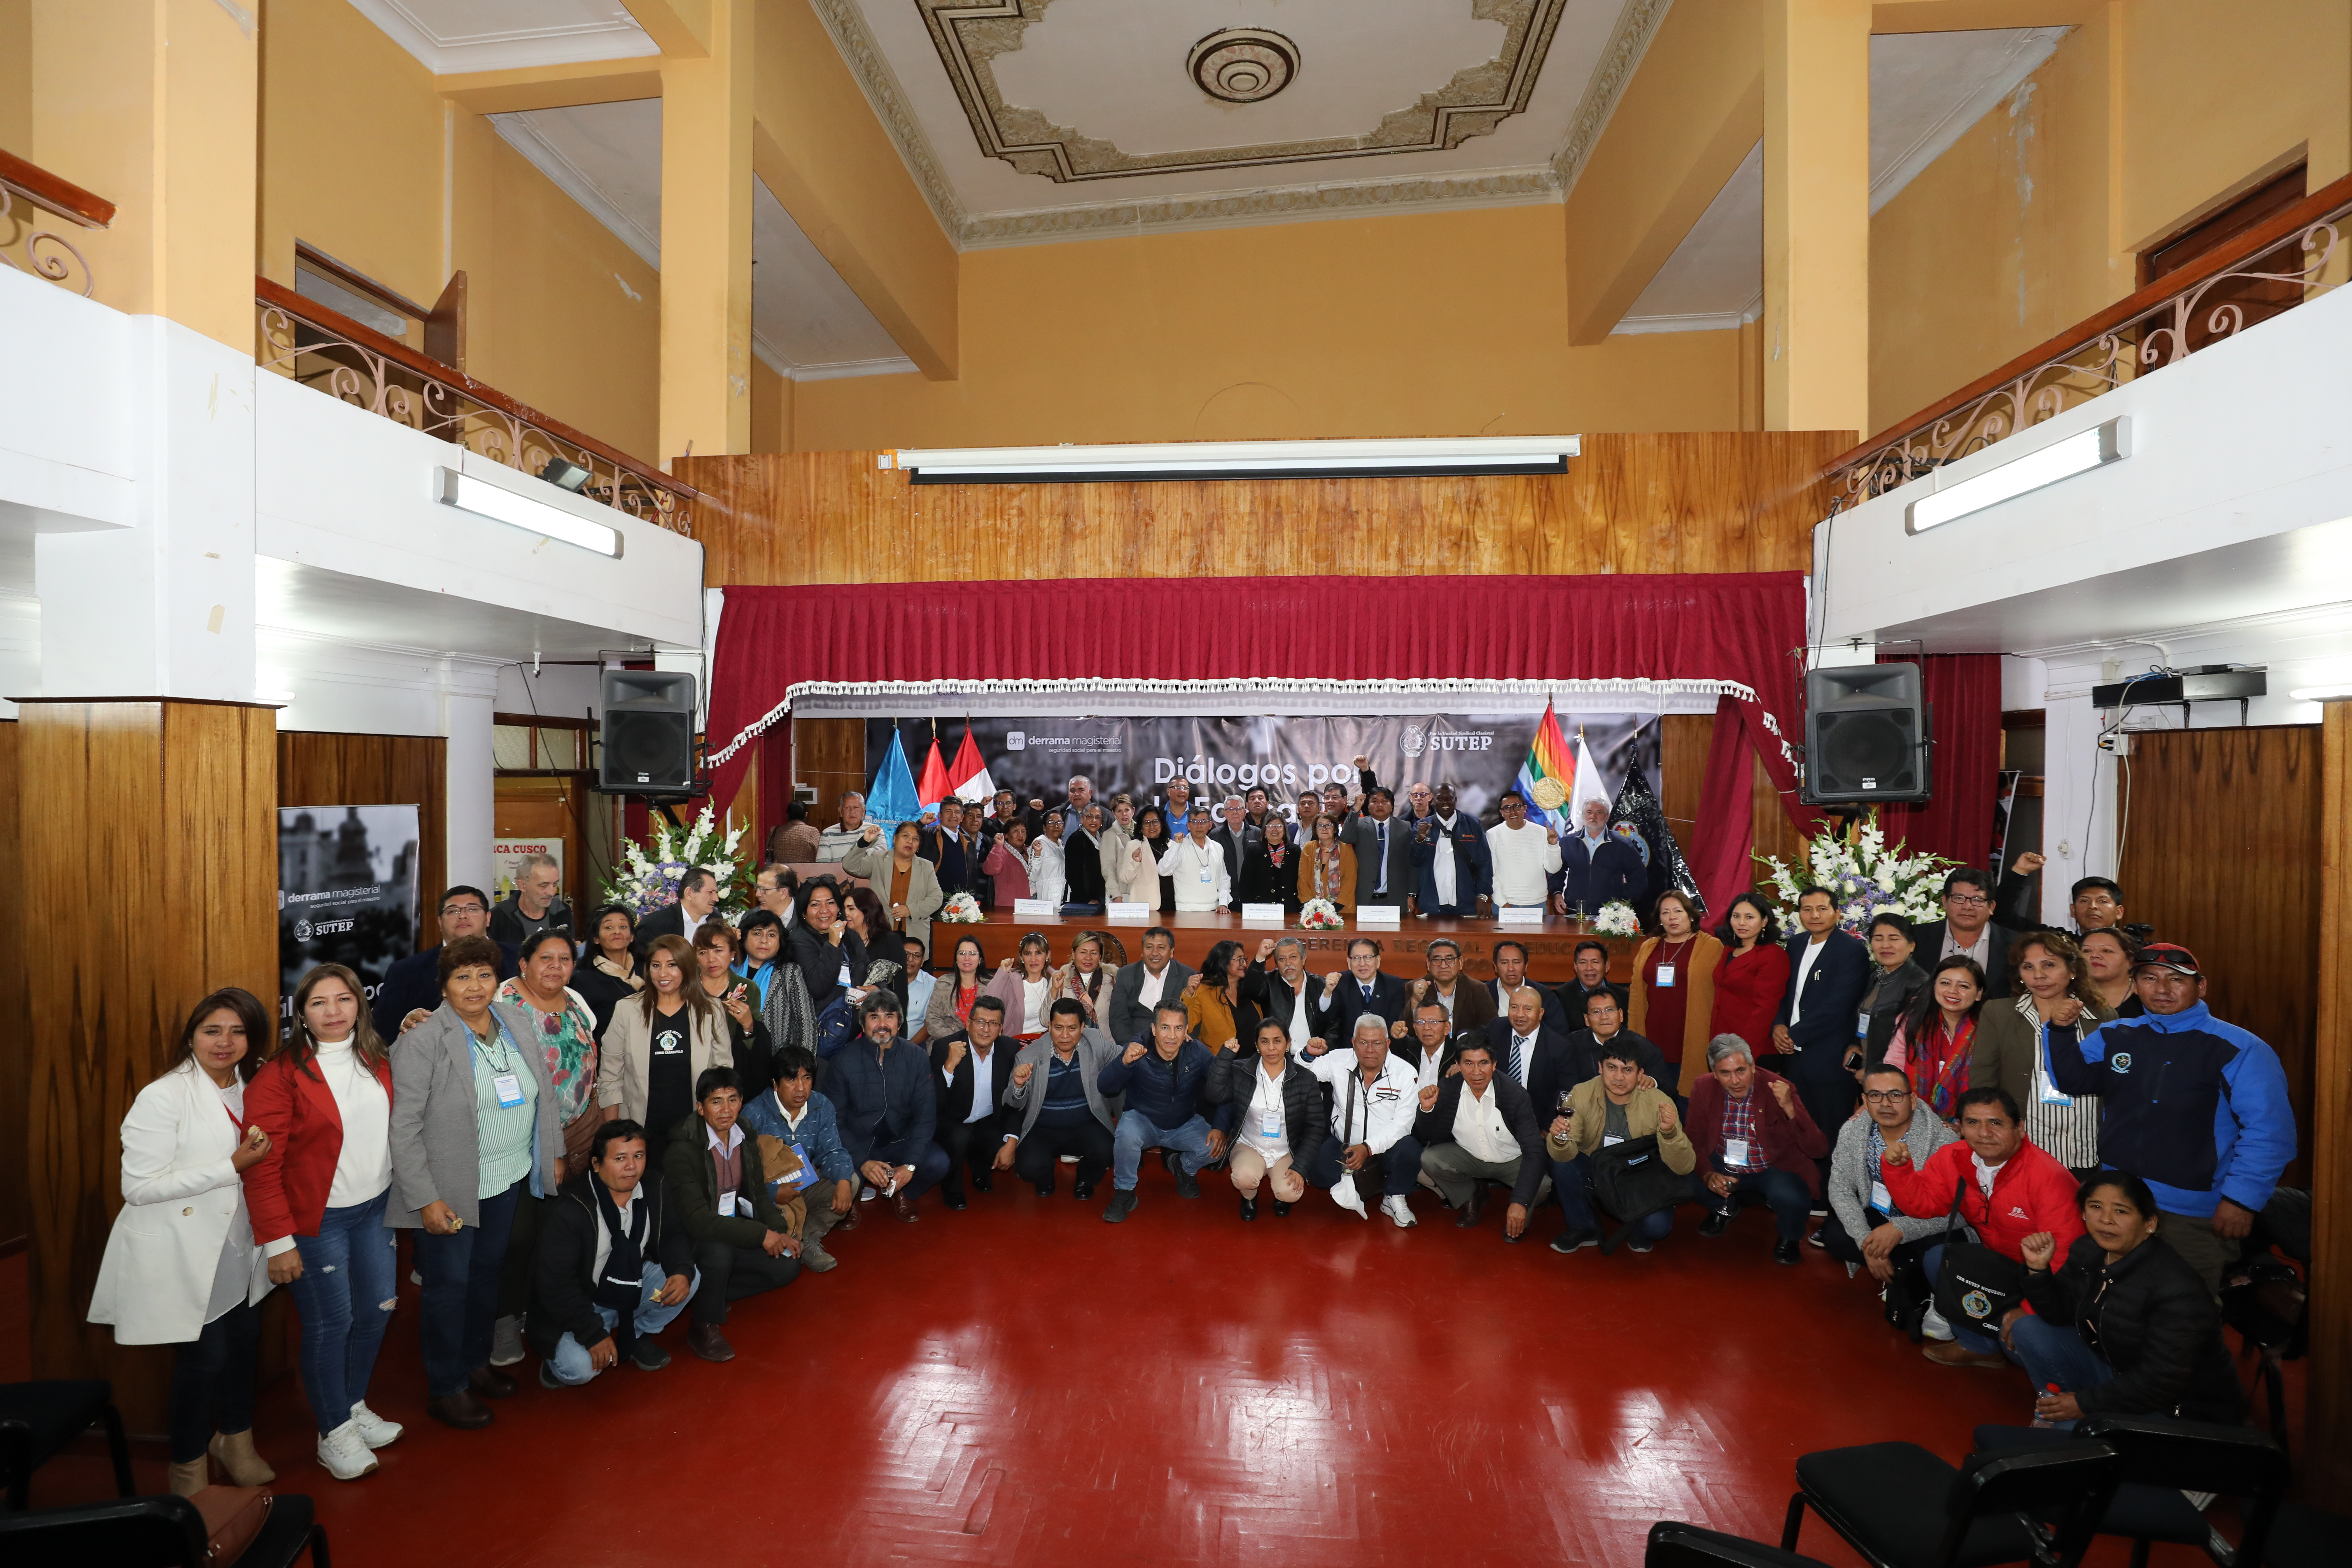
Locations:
(1021, 1383)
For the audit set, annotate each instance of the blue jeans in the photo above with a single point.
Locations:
(1135, 1132)
(1783, 1191)
(461, 1293)
(1401, 1165)
(929, 1160)
(1569, 1180)
(570, 1364)
(346, 1293)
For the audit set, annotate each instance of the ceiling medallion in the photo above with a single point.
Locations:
(1243, 65)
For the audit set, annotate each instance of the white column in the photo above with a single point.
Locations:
(468, 697)
(2078, 794)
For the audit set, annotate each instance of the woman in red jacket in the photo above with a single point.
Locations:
(1752, 977)
(318, 1204)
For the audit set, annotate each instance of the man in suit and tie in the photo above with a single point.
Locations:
(1137, 988)
(698, 896)
(1363, 989)
(1528, 1050)
(1285, 993)
(974, 1070)
(1383, 849)
(1829, 972)
(1969, 929)
(1510, 974)
(1236, 837)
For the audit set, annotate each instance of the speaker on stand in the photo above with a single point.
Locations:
(646, 737)
(1867, 737)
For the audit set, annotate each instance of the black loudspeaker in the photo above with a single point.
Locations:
(648, 733)
(1867, 735)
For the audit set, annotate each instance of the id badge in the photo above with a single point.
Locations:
(1861, 1027)
(1608, 1138)
(1665, 981)
(1204, 876)
(2046, 1091)
(1879, 1199)
(727, 1206)
(1269, 1123)
(510, 1089)
(1734, 1150)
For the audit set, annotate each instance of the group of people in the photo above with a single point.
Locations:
(2039, 1143)
(1184, 853)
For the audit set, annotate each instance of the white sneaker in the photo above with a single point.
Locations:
(1344, 1194)
(346, 1457)
(1934, 1327)
(373, 1430)
(1397, 1209)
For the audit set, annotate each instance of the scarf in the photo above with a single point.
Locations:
(622, 1285)
(1940, 1077)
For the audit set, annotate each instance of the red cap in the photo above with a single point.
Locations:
(2168, 955)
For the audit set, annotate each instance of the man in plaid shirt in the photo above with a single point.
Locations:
(1750, 1141)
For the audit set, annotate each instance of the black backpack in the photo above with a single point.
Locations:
(1632, 1181)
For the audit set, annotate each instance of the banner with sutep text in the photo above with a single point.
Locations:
(346, 892)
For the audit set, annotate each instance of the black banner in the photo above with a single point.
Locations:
(1479, 754)
(346, 892)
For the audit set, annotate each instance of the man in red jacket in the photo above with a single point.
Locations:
(1753, 1134)
(2007, 1190)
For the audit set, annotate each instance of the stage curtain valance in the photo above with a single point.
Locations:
(1735, 628)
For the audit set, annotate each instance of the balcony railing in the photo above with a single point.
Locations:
(2271, 268)
(27, 191)
(324, 349)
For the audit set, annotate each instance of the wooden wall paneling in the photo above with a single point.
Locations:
(2325, 1460)
(1682, 742)
(16, 1062)
(830, 755)
(1717, 502)
(177, 799)
(325, 768)
(2246, 913)
(1775, 835)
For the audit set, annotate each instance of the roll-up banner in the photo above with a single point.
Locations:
(346, 893)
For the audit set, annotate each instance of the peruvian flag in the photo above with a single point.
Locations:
(933, 786)
(968, 775)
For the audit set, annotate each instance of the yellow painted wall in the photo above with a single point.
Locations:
(16, 77)
(361, 158)
(772, 409)
(1423, 324)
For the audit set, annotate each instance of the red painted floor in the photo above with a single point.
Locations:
(1023, 1383)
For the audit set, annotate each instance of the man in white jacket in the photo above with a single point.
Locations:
(1526, 856)
(1374, 1096)
(1197, 863)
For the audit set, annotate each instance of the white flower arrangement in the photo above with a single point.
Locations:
(962, 910)
(649, 875)
(1320, 914)
(1865, 877)
(1617, 919)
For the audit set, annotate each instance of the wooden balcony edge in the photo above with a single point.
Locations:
(2252, 243)
(270, 293)
(63, 197)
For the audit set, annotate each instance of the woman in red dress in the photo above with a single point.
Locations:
(1753, 976)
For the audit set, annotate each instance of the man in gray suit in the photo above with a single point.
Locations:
(1058, 1105)
(1383, 848)
(1137, 988)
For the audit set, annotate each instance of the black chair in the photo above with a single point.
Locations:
(154, 1530)
(1901, 1507)
(1676, 1545)
(2304, 1537)
(37, 1420)
(2161, 1459)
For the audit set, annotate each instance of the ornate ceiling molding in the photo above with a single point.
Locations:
(971, 34)
(844, 23)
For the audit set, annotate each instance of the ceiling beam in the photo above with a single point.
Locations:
(553, 87)
(682, 27)
(1967, 16)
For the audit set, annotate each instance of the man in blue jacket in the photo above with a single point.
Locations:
(1596, 867)
(881, 1091)
(802, 1121)
(1829, 971)
(1452, 865)
(2194, 1107)
(1165, 1086)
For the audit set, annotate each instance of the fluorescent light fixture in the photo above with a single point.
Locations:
(1239, 460)
(2061, 459)
(2322, 693)
(484, 499)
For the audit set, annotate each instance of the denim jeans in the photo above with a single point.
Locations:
(1783, 1191)
(461, 1293)
(1135, 1132)
(1570, 1180)
(570, 1364)
(348, 1288)
(929, 1160)
(1401, 1166)
(212, 1382)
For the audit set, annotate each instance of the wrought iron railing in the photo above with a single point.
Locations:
(2271, 268)
(27, 191)
(324, 349)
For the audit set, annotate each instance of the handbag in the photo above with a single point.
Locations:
(1632, 1181)
(233, 1516)
(1976, 1286)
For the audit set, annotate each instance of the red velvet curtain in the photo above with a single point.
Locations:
(1722, 847)
(1729, 627)
(1963, 692)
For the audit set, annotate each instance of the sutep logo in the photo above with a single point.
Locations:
(1412, 743)
(1440, 739)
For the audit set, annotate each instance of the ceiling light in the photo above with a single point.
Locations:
(2322, 693)
(483, 499)
(1414, 459)
(2063, 459)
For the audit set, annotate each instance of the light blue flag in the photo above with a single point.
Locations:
(892, 798)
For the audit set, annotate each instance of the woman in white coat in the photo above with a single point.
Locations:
(181, 1268)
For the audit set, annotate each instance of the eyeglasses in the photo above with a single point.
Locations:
(463, 910)
(1965, 899)
(1886, 1096)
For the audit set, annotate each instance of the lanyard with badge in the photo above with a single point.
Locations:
(2045, 1085)
(506, 1074)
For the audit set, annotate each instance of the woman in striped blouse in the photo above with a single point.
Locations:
(2055, 1006)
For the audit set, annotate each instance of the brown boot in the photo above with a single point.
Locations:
(490, 1382)
(243, 1466)
(190, 1478)
(706, 1340)
(1950, 1353)
(460, 1410)
(903, 1206)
